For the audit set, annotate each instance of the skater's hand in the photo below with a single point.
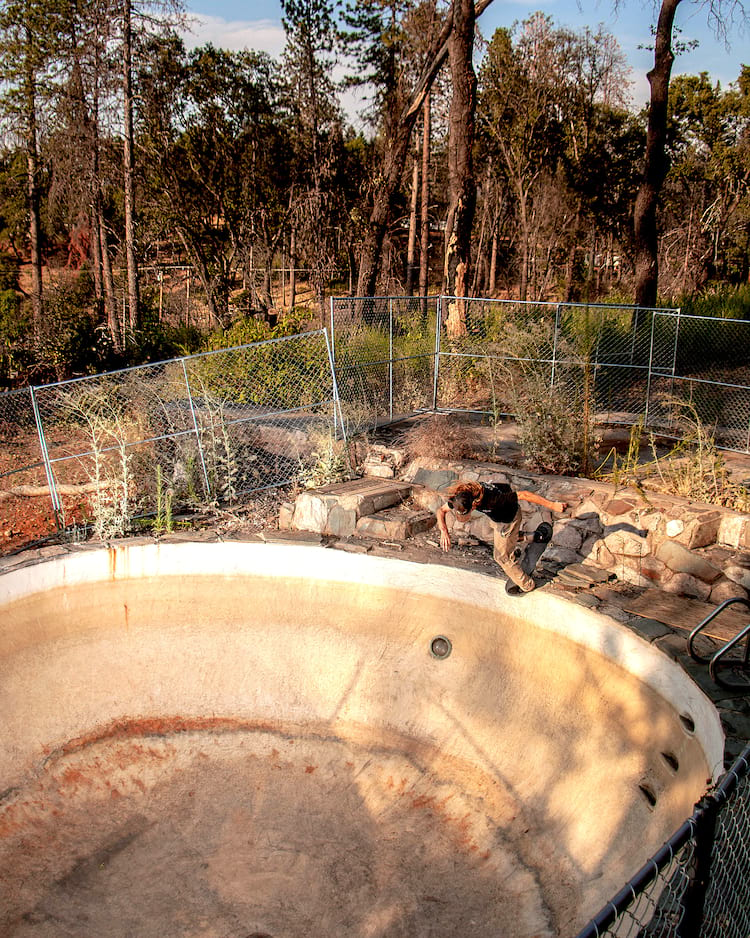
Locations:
(445, 540)
(559, 506)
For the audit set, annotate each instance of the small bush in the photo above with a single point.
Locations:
(441, 436)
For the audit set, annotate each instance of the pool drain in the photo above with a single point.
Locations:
(440, 647)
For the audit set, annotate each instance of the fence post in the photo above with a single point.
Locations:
(554, 346)
(693, 901)
(654, 314)
(187, 299)
(55, 498)
(436, 368)
(332, 340)
(197, 431)
(337, 412)
(390, 358)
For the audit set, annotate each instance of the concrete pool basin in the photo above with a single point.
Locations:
(262, 740)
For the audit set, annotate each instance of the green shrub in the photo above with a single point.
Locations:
(14, 327)
(723, 302)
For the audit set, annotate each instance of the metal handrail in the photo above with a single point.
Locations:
(725, 649)
(702, 659)
(713, 660)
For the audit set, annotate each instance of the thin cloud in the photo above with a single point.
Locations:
(261, 35)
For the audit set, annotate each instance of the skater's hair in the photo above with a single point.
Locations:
(465, 496)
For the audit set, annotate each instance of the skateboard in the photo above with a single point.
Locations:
(531, 554)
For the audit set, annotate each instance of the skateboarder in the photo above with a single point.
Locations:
(500, 503)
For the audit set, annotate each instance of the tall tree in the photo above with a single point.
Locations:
(28, 34)
(522, 90)
(708, 182)
(401, 74)
(82, 170)
(317, 133)
(424, 220)
(128, 167)
(214, 128)
(462, 187)
(655, 162)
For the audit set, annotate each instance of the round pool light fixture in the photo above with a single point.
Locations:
(440, 647)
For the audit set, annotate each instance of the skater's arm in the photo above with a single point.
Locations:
(541, 501)
(445, 538)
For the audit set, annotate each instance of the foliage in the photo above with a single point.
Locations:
(555, 419)
(326, 465)
(108, 426)
(13, 329)
(693, 468)
(441, 436)
(69, 341)
(721, 302)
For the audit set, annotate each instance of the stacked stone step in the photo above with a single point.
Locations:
(368, 507)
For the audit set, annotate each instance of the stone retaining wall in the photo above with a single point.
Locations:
(648, 540)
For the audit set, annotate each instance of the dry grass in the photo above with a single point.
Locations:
(441, 436)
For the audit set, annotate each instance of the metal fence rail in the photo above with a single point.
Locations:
(188, 431)
(698, 884)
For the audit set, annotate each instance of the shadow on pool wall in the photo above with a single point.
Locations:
(237, 738)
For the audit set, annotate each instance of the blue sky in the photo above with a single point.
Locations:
(257, 24)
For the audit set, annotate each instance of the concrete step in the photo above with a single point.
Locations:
(336, 509)
(395, 524)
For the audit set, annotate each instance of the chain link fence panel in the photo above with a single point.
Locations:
(493, 353)
(20, 447)
(698, 884)
(384, 355)
(23, 472)
(701, 372)
(143, 442)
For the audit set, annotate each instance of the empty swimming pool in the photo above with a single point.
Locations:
(272, 740)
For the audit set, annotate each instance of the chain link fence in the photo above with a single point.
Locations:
(384, 352)
(698, 884)
(702, 365)
(624, 364)
(143, 441)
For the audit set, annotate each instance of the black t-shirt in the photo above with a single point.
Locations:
(498, 501)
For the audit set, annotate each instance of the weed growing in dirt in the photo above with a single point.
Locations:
(326, 465)
(693, 468)
(441, 436)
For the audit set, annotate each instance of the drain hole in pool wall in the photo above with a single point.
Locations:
(648, 795)
(688, 722)
(440, 647)
(671, 760)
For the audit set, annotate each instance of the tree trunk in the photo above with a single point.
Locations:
(480, 267)
(293, 269)
(197, 260)
(492, 285)
(523, 286)
(96, 262)
(397, 148)
(110, 300)
(461, 184)
(424, 247)
(32, 194)
(411, 249)
(655, 163)
(129, 170)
